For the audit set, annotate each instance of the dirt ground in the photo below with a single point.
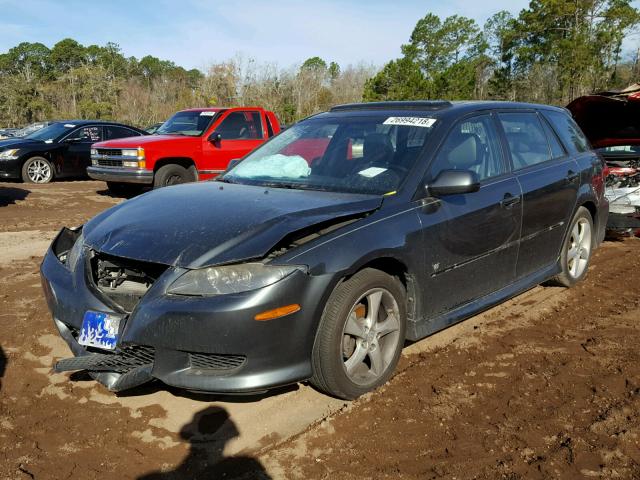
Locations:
(546, 385)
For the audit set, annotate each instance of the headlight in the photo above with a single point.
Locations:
(94, 151)
(138, 153)
(11, 154)
(230, 279)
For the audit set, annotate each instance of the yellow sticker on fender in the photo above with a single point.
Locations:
(411, 121)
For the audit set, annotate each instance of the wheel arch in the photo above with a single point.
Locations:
(186, 162)
(393, 267)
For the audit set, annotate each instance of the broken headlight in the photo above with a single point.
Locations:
(67, 246)
(230, 279)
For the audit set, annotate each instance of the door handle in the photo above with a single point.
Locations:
(571, 176)
(509, 200)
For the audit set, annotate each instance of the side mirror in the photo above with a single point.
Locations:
(215, 138)
(452, 182)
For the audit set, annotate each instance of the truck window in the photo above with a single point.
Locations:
(241, 126)
(269, 127)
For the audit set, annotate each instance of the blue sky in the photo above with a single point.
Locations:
(194, 33)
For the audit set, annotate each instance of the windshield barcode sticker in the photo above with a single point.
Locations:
(207, 114)
(411, 121)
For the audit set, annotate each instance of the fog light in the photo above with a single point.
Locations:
(277, 312)
(126, 163)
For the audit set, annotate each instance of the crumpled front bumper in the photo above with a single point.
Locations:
(182, 331)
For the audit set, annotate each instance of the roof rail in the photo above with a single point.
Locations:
(403, 105)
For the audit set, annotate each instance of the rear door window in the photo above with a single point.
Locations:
(241, 126)
(526, 139)
(568, 130)
(113, 131)
(472, 144)
(557, 150)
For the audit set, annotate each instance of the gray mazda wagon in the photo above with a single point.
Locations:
(321, 252)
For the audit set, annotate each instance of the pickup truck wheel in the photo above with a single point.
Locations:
(124, 189)
(171, 175)
(37, 170)
(576, 250)
(360, 335)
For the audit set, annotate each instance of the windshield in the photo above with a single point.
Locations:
(192, 124)
(52, 132)
(369, 155)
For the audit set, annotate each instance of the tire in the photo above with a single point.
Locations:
(124, 189)
(576, 250)
(352, 353)
(171, 174)
(37, 170)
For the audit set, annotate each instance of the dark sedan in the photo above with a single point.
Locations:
(411, 217)
(62, 149)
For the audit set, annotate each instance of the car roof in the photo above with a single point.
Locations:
(435, 107)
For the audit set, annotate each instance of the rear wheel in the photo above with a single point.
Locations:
(37, 170)
(577, 249)
(171, 174)
(360, 336)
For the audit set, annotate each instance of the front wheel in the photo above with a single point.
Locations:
(360, 336)
(171, 174)
(37, 170)
(576, 250)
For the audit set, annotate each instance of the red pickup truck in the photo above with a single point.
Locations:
(194, 144)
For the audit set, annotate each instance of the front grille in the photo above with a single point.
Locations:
(109, 152)
(123, 361)
(103, 162)
(216, 361)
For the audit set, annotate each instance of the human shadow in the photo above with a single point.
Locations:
(208, 433)
(3, 365)
(9, 195)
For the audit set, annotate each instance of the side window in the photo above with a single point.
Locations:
(569, 132)
(526, 138)
(269, 127)
(87, 134)
(557, 150)
(471, 145)
(112, 131)
(241, 126)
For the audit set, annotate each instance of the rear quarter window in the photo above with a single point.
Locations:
(569, 132)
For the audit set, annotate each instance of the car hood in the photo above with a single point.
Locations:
(210, 223)
(144, 141)
(609, 118)
(15, 143)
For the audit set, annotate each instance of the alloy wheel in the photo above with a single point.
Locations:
(579, 248)
(370, 336)
(39, 171)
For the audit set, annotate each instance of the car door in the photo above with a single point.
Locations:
(549, 179)
(77, 150)
(471, 240)
(240, 132)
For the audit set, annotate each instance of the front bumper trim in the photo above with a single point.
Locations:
(120, 174)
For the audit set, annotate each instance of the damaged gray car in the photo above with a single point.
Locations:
(318, 255)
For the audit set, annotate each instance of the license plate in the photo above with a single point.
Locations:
(99, 330)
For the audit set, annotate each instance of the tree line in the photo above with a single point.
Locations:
(551, 52)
